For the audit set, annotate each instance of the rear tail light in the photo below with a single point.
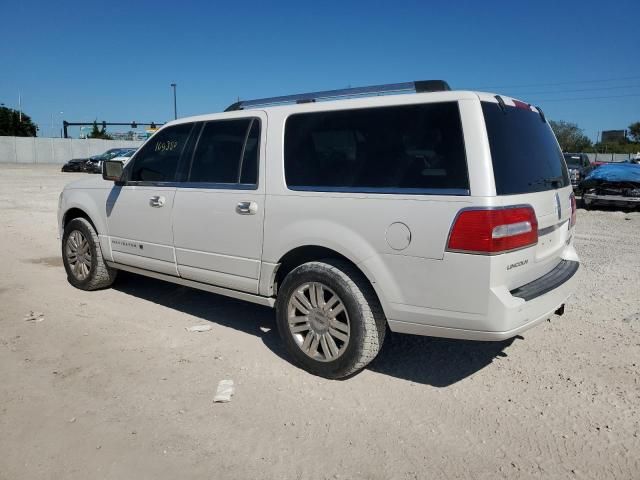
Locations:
(574, 210)
(492, 231)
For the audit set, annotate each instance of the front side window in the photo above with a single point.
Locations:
(157, 160)
(399, 149)
(227, 152)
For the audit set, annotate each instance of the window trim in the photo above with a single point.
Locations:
(220, 185)
(378, 190)
(244, 147)
(195, 185)
(383, 190)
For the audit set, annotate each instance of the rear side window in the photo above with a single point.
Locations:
(227, 152)
(157, 160)
(526, 157)
(400, 149)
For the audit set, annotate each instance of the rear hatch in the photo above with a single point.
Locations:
(529, 169)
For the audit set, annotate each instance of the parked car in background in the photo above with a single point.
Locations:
(94, 164)
(579, 167)
(350, 217)
(75, 165)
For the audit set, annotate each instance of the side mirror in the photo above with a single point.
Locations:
(112, 170)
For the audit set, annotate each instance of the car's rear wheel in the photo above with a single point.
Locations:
(82, 257)
(330, 318)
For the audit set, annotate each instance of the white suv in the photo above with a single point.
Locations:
(443, 213)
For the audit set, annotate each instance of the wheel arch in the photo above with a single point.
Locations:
(310, 253)
(75, 212)
(89, 204)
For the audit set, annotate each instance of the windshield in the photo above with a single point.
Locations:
(526, 156)
(111, 154)
(106, 155)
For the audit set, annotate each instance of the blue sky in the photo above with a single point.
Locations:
(115, 60)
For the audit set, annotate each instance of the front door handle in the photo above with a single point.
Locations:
(247, 208)
(157, 201)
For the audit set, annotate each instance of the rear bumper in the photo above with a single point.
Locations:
(615, 200)
(552, 280)
(510, 312)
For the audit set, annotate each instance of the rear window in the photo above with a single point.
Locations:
(400, 149)
(572, 160)
(526, 156)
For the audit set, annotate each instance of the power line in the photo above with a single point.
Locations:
(580, 90)
(562, 83)
(586, 98)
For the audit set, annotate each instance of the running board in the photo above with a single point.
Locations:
(249, 297)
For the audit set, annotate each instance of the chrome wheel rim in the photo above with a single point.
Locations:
(318, 322)
(78, 253)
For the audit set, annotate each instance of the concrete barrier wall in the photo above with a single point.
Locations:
(61, 150)
(610, 157)
(55, 150)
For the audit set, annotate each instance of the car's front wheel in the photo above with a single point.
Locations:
(82, 257)
(329, 318)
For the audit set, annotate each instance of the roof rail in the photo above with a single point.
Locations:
(390, 88)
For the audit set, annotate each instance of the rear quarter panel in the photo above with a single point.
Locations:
(356, 225)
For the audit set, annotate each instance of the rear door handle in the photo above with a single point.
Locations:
(247, 208)
(157, 201)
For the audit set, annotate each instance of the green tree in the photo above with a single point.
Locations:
(570, 137)
(12, 126)
(99, 132)
(634, 131)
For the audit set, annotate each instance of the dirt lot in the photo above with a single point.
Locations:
(110, 385)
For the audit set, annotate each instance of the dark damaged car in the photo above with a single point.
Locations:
(75, 165)
(612, 185)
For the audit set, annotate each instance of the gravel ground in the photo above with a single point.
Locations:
(109, 384)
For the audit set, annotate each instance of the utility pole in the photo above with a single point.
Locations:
(175, 105)
(20, 107)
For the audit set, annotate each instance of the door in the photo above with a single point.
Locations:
(139, 212)
(219, 210)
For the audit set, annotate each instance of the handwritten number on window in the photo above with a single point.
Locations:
(168, 146)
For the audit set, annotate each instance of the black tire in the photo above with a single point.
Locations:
(366, 318)
(99, 274)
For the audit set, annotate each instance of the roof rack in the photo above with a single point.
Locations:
(419, 86)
